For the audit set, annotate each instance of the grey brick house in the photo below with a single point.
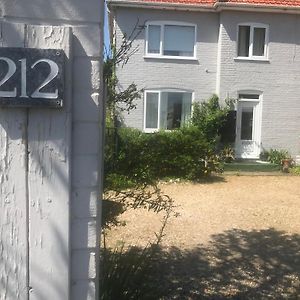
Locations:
(190, 49)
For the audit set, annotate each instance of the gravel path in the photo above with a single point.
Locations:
(237, 202)
(235, 238)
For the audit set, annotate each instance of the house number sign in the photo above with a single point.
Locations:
(31, 77)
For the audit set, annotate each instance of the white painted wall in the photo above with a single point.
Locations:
(217, 71)
(49, 214)
(198, 76)
(278, 79)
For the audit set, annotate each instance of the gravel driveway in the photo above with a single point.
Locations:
(235, 238)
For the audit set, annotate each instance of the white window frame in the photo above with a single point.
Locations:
(162, 24)
(266, 48)
(159, 92)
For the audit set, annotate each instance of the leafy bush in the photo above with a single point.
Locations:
(295, 170)
(275, 156)
(143, 157)
(209, 116)
(133, 157)
(227, 154)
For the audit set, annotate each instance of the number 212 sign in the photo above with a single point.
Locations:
(31, 77)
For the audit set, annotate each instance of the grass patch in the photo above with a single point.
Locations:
(295, 170)
(251, 167)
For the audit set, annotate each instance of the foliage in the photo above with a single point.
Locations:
(145, 196)
(295, 170)
(120, 100)
(239, 167)
(275, 156)
(227, 154)
(126, 273)
(209, 116)
(133, 157)
(182, 153)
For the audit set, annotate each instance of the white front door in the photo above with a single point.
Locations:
(248, 133)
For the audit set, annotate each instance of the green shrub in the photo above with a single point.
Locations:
(119, 181)
(182, 153)
(275, 156)
(133, 157)
(227, 154)
(295, 170)
(209, 116)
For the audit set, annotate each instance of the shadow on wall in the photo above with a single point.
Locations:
(12, 265)
(47, 142)
(237, 264)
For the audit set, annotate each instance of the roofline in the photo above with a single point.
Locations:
(159, 5)
(217, 6)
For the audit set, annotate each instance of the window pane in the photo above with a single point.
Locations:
(186, 108)
(259, 41)
(175, 109)
(179, 40)
(243, 42)
(248, 96)
(153, 38)
(247, 124)
(152, 110)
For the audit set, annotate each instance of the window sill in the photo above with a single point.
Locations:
(171, 57)
(158, 130)
(145, 130)
(263, 59)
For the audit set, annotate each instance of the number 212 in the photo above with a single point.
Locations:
(37, 93)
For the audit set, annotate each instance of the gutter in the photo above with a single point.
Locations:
(159, 5)
(220, 6)
(216, 7)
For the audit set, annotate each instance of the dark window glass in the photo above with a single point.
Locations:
(243, 41)
(248, 96)
(259, 41)
(247, 124)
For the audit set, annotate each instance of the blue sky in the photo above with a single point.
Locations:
(106, 33)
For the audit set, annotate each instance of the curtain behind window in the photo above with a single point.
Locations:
(186, 108)
(163, 110)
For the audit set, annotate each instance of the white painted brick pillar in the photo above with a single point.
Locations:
(50, 159)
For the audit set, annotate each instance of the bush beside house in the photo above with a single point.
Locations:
(189, 152)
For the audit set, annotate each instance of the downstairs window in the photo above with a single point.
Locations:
(166, 110)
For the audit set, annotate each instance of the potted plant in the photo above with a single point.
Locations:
(286, 164)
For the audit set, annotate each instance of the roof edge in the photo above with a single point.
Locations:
(159, 5)
(262, 7)
(217, 6)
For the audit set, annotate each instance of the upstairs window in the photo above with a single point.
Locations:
(170, 40)
(252, 41)
(166, 110)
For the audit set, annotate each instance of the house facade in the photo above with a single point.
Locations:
(188, 50)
